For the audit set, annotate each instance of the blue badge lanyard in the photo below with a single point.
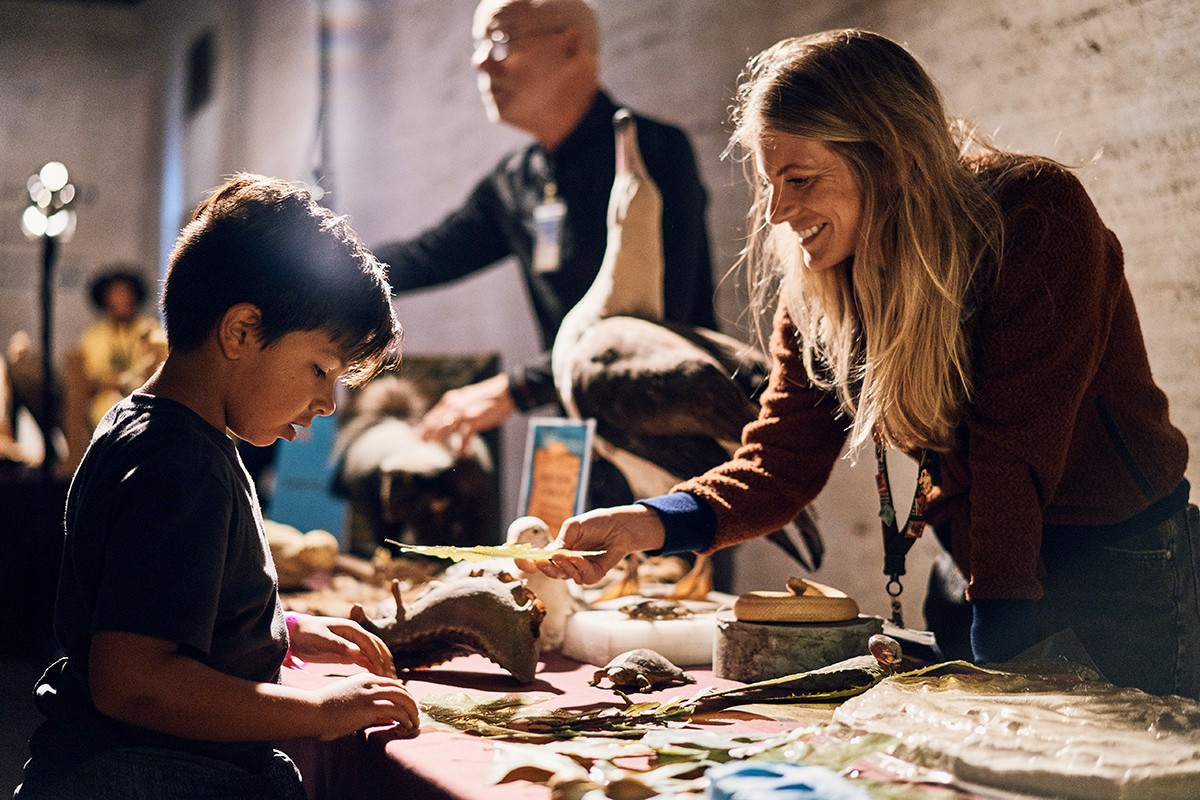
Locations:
(895, 543)
(548, 221)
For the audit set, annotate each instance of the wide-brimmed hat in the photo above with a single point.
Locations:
(110, 276)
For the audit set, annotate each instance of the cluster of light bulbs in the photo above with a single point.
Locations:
(50, 194)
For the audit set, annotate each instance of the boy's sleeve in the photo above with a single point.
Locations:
(163, 563)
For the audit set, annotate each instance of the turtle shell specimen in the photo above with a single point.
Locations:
(640, 670)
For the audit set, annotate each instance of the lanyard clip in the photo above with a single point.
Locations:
(894, 590)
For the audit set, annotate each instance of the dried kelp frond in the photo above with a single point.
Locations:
(838, 681)
(510, 717)
(585, 766)
(854, 676)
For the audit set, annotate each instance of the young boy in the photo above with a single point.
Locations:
(167, 603)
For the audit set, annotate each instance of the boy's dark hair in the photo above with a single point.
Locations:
(266, 242)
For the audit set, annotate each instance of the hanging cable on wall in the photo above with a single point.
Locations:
(320, 182)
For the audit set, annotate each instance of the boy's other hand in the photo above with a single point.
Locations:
(361, 701)
(333, 640)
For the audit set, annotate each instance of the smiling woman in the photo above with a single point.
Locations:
(969, 307)
(869, 133)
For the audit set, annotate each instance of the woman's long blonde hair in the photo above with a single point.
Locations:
(884, 330)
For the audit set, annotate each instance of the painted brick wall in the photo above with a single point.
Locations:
(84, 98)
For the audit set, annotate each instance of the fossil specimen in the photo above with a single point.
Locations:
(652, 609)
(493, 615)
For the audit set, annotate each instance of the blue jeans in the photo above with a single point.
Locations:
(147, 773)
(1134, 603)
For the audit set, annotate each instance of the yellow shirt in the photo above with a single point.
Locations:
(118, 358)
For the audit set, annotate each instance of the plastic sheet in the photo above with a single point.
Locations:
(1053, 736)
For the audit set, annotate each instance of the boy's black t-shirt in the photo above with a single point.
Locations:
(164, 539)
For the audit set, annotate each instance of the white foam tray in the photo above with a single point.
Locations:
(597, 635)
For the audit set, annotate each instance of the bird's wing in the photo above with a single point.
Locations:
(804, 529)
(747, 366)
(659, 395)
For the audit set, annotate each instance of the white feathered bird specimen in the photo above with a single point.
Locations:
(669, 400)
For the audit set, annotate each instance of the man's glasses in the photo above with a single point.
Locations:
(497, 43)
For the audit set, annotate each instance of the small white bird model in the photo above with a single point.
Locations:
(560, 598)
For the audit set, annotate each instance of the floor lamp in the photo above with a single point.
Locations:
(48, 218)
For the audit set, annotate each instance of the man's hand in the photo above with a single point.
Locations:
(469, 410)
(617, 531)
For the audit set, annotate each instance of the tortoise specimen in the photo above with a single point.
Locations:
(640, 670)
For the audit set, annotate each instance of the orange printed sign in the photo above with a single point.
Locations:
(558, 455)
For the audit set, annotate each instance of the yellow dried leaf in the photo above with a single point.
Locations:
(483, 552)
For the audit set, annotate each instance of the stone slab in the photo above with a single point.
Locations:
(759, 651)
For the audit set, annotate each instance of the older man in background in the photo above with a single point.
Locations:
(545, 204)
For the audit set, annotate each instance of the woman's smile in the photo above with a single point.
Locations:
(808, 234)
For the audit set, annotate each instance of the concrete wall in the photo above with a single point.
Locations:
(1065, 78)
(82, 94)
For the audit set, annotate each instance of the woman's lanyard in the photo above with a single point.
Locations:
(896, 544)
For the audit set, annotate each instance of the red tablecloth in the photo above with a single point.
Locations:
(441, 765)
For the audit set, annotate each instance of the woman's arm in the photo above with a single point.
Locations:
(784, 461)
(786, 454)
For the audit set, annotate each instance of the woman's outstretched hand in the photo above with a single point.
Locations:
(616, 531)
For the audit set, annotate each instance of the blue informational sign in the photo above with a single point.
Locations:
(303, 470)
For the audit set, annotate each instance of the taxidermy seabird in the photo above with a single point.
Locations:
(669, 400)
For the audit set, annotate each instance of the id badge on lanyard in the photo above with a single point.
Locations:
(548, 219)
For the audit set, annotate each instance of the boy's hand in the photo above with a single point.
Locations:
(333, 640)
(361, 701)
(617, 531)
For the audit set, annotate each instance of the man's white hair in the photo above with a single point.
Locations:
(577, 14)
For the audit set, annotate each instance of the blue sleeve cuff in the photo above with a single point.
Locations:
(689, 522)
(1002, 629)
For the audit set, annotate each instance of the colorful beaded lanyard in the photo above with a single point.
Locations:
(896, 544)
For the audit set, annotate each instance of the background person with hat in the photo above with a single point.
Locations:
(118, 352)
